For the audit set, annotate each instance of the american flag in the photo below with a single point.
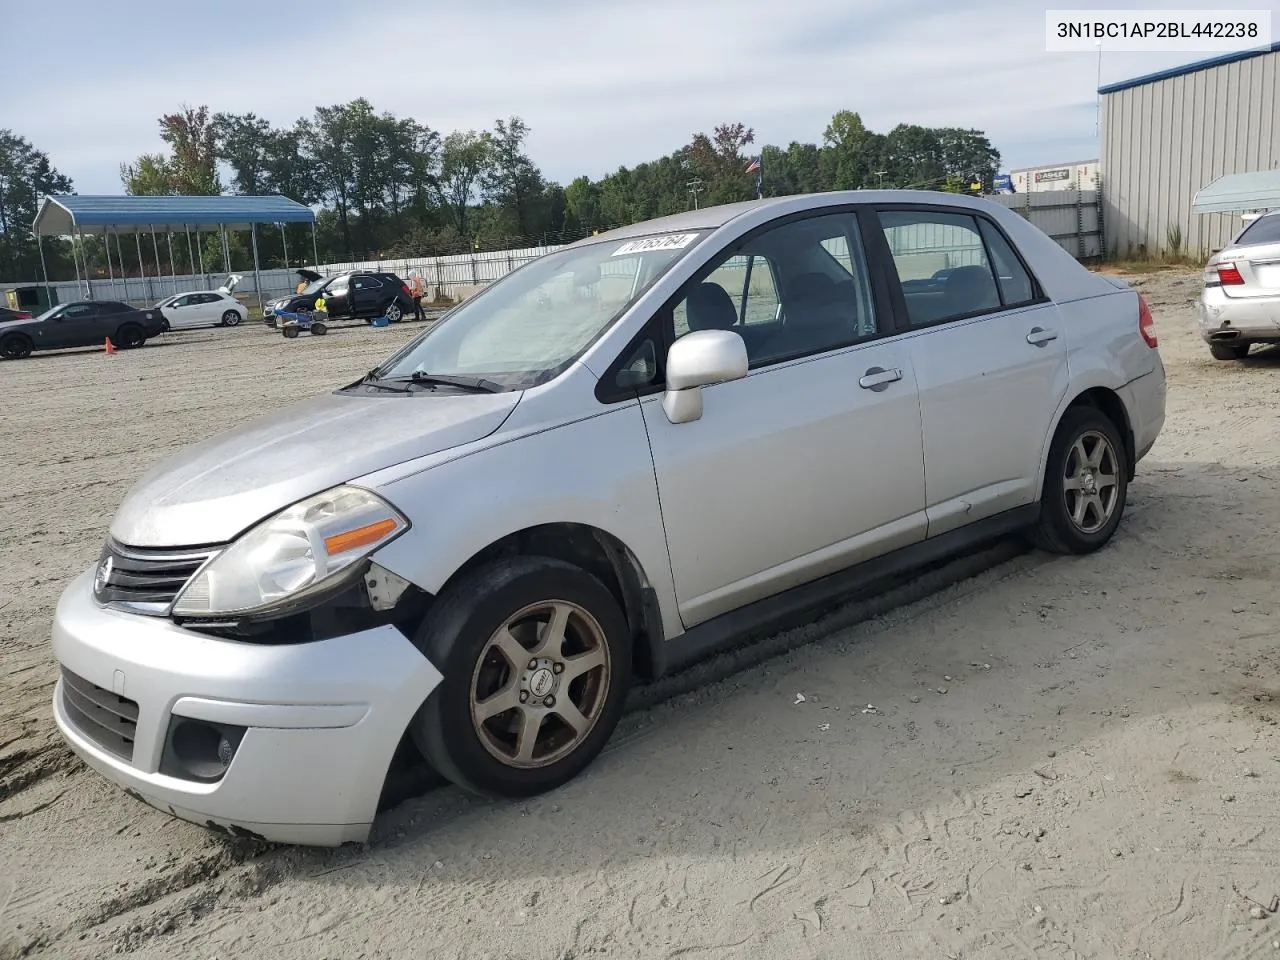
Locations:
(753, 166)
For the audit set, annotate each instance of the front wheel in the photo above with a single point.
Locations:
(1230, 350)
(16, 346)
(230, 319)
(1085, 486)
(536, 659)
(130, 336)
(290, 331)
(318, 329)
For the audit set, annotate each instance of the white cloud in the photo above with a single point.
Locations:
(601, 84)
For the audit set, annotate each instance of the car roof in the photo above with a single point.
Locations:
(711, 218)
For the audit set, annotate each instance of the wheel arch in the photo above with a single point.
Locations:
(1101, 397)
(606, 558)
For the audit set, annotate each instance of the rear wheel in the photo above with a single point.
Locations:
(1085, 486)
(393, 312)
(290, 331)
(536, 659)
(319, 329)
(16, 346)
(1229, 350)
(230, 319)
(129, 336)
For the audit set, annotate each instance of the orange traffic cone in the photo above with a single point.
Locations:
(111, 347)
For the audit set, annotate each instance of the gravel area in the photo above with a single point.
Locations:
(1017, 755)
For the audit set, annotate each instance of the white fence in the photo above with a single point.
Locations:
(1071, 217)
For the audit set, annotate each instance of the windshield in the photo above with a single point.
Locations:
(313, 287)
(52, 312)
(532, 324)
(166, 301)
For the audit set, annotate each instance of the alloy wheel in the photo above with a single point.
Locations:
(1091, 484)
(540, 684)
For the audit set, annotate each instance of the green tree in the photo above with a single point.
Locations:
(512, 181)
(151, 175)
(464, 160)
(26, 175)
(720, 161)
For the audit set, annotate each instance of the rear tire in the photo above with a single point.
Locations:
(1229, 350)
(16, 346)
(504, 721)
(1085, 485)
(231, 319)
(290, 332)
(318, 329)
(393, 312)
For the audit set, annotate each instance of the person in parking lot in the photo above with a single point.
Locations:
(417, 288)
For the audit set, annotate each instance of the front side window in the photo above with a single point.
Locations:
(942, 265)
(799, 288)
(528, 327)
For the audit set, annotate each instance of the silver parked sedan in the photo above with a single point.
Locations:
(622, 457)
(1240, 303)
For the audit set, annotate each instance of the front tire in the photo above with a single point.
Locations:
(536, 658)
(1085, 486)
(130, 337)
(290, 331)
(16, 346)
(1229, 350)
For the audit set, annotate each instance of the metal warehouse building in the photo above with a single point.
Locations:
(1167, 134)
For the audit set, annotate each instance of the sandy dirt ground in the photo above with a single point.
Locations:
(1044, 758)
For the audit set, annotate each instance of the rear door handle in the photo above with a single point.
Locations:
(1038, 337)
(878, 378)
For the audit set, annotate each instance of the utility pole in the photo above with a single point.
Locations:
(695, 188)
(880, 174)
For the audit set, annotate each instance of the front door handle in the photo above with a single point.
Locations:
(878, 378)
(1038, 337)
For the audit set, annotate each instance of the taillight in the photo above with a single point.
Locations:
(1146, 323)
(1229, 275)
(407, 291)
(23, 315)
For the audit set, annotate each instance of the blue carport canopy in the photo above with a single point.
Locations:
(72, 215)
(64, 216)
(1259, 190)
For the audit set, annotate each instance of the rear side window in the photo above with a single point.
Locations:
(1015, 283)
(942, 265)
(1263, 230)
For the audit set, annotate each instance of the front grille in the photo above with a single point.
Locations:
(146, 580)
(109, 720)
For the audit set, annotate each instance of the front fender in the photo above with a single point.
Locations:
(596, 471)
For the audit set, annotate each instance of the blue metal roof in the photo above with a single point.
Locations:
(62, 215)
(1186, 68)
(1256, 190)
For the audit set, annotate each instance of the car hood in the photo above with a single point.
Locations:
(214, 490)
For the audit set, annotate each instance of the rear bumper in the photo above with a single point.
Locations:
(1219, 317)
(1144, 398)
(322, 720)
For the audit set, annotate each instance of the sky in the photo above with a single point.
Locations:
(600, 83)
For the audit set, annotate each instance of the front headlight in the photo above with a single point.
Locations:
(302, 550)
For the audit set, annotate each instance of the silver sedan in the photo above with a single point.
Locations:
(1240, 303)
(618, 459)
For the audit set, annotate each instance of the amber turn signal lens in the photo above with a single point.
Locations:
(359, 537)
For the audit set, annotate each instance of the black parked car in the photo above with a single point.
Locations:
(358, 294)
(84, 323)
(7, 314)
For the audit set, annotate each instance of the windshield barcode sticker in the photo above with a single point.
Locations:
(671, 241)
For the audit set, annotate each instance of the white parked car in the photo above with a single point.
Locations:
(204, 308)
(622, 457)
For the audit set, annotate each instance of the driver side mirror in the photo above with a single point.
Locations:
(698, 360)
